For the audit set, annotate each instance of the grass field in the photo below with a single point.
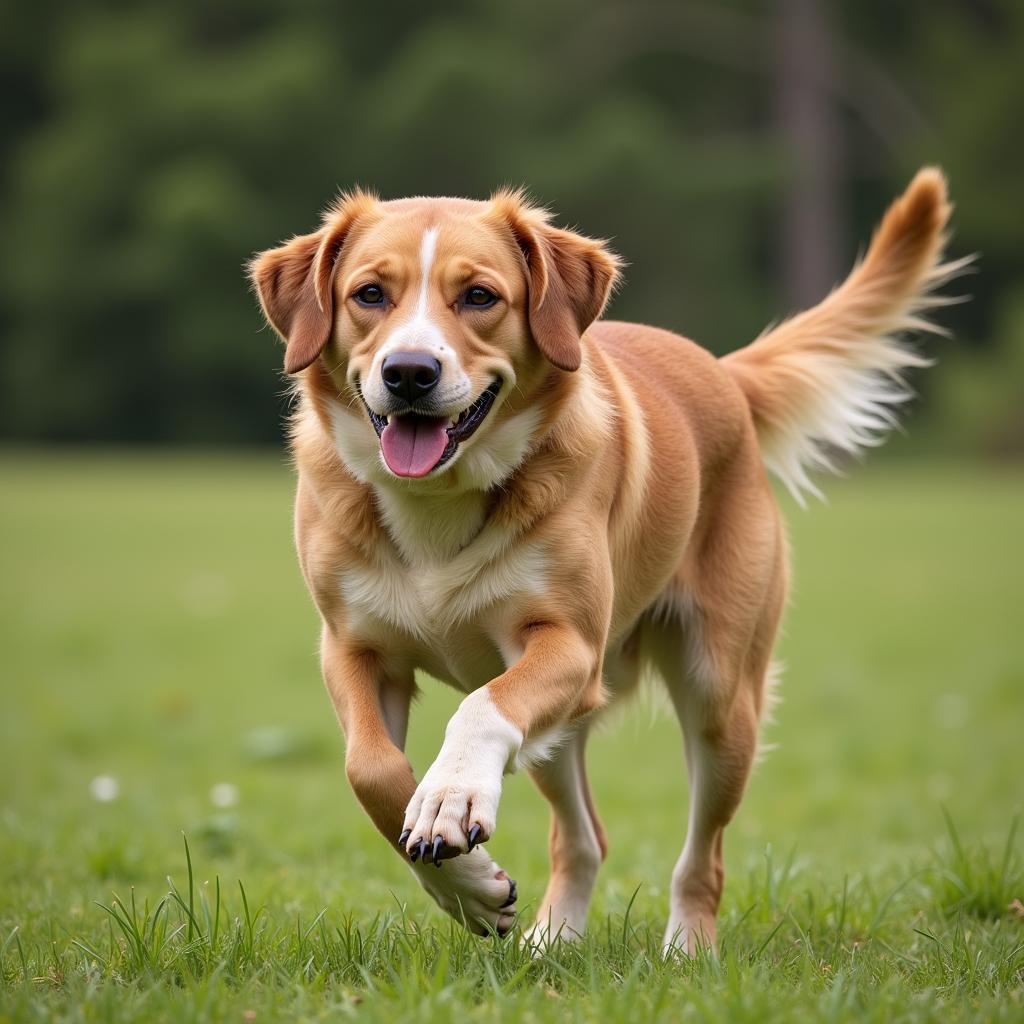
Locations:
(159, 676)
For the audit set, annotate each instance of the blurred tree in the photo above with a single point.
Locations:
(811, 250)
(153, 148)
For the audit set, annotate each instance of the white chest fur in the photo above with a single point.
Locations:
(450, 569)
(433, 600)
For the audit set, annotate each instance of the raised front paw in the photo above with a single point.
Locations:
(475, 891)
(455, 807)
(449, 815)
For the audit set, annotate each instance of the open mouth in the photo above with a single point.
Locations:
(414, 445)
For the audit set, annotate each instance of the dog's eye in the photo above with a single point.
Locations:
(479, 297)
(370, 295)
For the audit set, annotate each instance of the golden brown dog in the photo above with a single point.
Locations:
(539, 507)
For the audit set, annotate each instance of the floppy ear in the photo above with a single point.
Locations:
(569, 278)
(295, 282)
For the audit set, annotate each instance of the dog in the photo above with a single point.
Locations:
(540, 507)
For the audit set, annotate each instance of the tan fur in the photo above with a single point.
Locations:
(611, 517)
(827, 380)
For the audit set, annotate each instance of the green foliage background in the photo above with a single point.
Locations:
(149, 148)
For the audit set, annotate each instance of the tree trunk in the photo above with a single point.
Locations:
(811, 235)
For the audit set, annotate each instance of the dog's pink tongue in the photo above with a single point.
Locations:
(413, 445)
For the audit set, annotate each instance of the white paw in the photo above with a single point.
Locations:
(449, 815)
(474, 890)
(455, 806)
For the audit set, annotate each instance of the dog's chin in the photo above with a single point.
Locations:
(414, 446)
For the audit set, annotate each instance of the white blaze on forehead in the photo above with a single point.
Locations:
(427, 249)
(420, 331)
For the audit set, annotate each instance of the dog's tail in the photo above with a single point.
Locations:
(831, 379)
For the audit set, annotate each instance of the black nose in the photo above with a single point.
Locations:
(410, 375)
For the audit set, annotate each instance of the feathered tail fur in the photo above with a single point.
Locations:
(831, 379)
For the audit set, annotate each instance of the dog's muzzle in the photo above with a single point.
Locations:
(414, 445)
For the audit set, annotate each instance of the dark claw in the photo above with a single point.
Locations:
(422, 850)
(438, 843)
(511, 895)
(416, 852)
(474, 835)
(404, 837)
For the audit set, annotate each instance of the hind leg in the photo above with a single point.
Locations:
(714, 653)
(577, 842)
(720, 749)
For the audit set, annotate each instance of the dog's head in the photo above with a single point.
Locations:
(436, 323)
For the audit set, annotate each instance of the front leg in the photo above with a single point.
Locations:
(495, 728)
(373, 711)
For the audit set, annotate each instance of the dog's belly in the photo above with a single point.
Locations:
(467, 660)
(464, 656)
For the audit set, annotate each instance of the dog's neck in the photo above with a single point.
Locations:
(430, 528)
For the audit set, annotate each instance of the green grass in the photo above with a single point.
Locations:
(154, 628)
